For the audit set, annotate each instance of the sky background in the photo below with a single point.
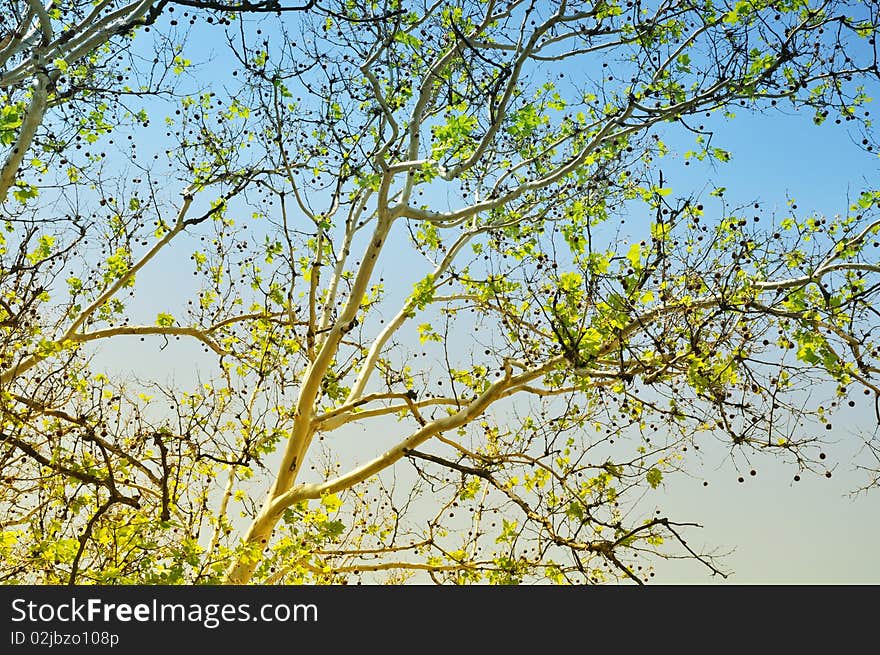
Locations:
(814, 530)
(774, 530)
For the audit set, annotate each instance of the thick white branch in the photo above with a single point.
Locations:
(32, 119)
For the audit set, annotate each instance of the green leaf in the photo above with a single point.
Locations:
(635, 255)
(24, 192)
(423, 292)
(426, 333)
(333, 529)
(165, 320)
(332, 502)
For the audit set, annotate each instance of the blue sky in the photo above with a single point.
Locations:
(783, 531)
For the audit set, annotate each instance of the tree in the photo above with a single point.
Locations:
(546, 367)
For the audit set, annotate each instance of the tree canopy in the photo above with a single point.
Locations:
(453, 320)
